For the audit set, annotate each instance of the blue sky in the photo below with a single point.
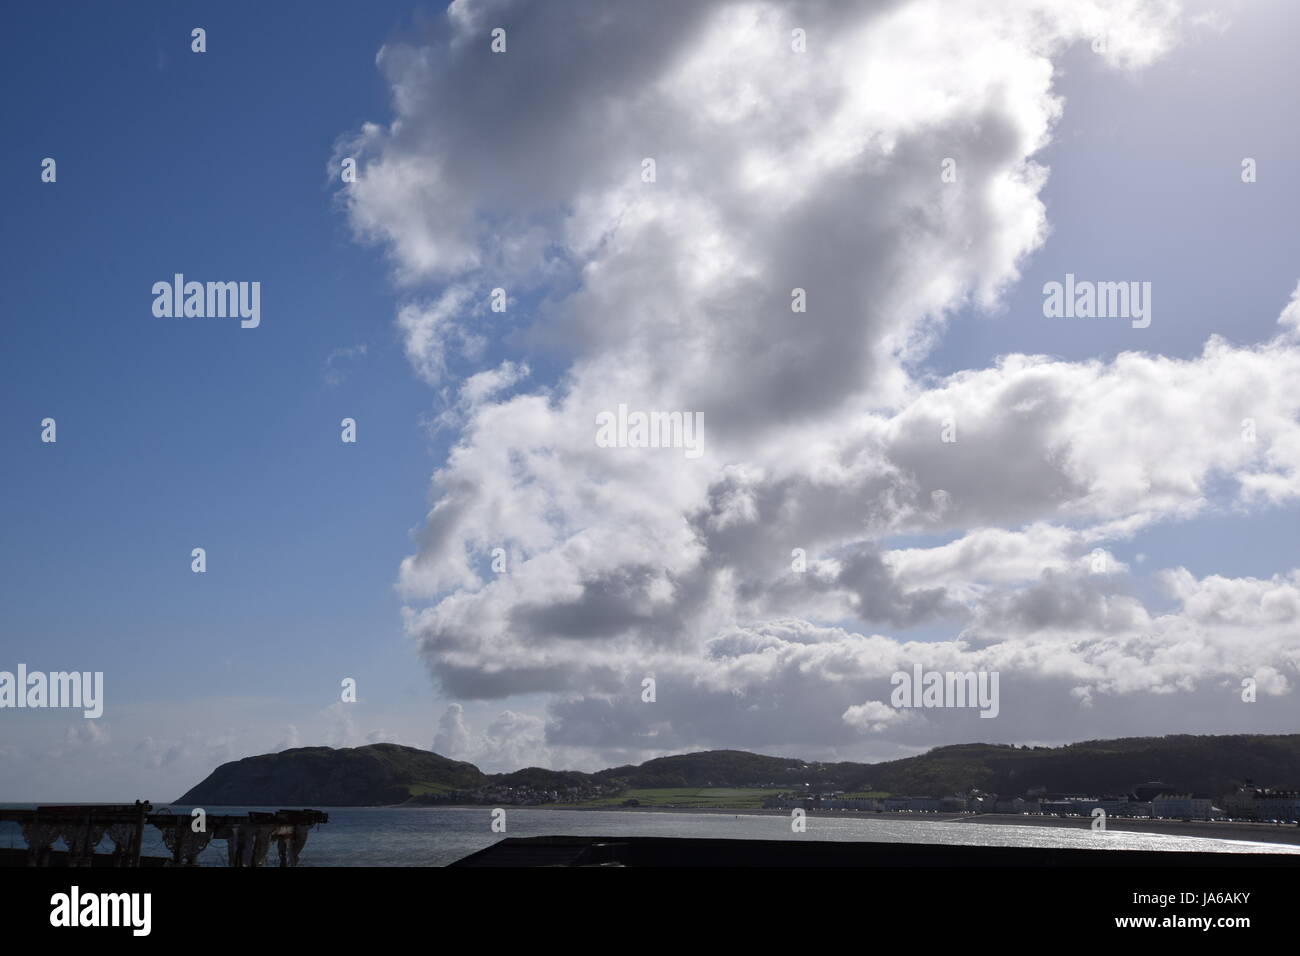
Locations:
(180, 433)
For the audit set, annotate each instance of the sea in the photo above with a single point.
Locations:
(436, 836)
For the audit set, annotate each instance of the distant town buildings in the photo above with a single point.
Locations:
(1183, 806)
(1154, 800)
(1250, 803)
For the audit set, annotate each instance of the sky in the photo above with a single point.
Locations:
(1099, 534)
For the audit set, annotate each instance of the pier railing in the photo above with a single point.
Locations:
(248, 837)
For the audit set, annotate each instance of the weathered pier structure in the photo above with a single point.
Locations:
(248, 836)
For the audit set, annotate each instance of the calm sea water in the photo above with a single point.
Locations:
(427, 836)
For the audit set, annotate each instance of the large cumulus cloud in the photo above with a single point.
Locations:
(778, 170)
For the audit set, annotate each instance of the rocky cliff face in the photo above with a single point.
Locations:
(375, 775)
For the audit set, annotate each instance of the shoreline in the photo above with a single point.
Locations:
(1241, 831)
(1211, 829)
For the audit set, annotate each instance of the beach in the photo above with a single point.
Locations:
(1211, 829)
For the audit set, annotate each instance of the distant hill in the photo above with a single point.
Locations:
(1209, 765)
(1206, 764)
(385, 774)
(711, 768)
(375, 775)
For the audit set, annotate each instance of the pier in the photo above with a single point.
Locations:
(248, 837)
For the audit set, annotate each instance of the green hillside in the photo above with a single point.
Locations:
(385, 774)
(374, 775)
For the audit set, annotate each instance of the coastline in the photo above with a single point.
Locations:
(1214, 830)
(1211, 829)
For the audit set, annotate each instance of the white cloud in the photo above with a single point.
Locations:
(336, 368)
(778, 170)
(874, 716)
(512, 740)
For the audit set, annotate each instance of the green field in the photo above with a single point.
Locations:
(726, 798)
(420, 789)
